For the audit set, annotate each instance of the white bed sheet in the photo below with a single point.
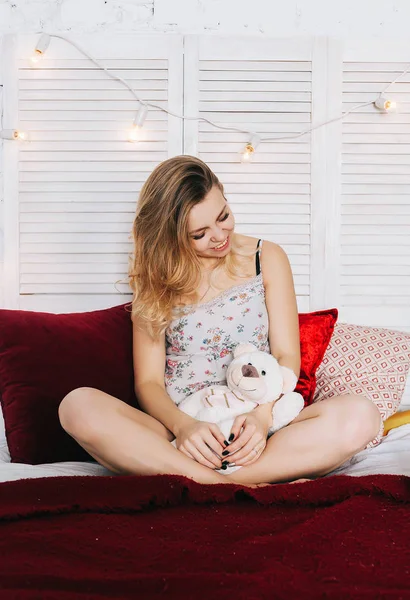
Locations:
(392, 456)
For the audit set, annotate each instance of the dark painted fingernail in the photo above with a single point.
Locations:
(226, 443)
(225, 462)
(224, 467)
(225, 452)
(231, 437)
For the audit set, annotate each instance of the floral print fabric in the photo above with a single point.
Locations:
(200, 343)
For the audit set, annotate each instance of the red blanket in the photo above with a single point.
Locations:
(168, 537)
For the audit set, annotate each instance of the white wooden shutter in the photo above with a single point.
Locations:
(71, 191)
(263, 86)
(375, 201)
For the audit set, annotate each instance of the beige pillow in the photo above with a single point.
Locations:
(368, 361)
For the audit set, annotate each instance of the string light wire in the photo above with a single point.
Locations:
(381, 102)
(251, 133)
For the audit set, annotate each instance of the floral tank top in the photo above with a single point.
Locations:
(200, 342)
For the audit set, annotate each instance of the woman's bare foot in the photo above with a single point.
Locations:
(231, 479)
(257, 485)
(252, 485)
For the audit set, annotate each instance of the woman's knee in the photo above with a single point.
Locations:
(77, 410)
(360, 421)
(85, 412)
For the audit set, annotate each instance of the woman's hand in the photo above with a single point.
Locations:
(197, 439)
(253, 436)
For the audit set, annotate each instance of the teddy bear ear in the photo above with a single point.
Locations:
(244, 348)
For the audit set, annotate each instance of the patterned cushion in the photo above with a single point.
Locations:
(368, 361)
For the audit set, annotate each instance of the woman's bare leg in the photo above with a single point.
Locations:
(126, 440)
(320, 439)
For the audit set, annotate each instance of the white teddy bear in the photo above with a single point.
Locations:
(253, 378)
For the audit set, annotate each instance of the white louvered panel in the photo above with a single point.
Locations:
(78, 176)
(265, 88)
(405, 402)
(375, 202)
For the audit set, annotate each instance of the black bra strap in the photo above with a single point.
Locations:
(258, 252)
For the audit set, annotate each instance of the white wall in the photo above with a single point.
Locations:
(367, 18)
(271, 17)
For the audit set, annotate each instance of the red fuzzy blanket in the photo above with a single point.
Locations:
(168, 537)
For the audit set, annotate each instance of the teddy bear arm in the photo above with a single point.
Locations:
(191, 405)
(285, 410)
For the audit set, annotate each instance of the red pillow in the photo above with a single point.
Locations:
(43, 356)
(315, 330)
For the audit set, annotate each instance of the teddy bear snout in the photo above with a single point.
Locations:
(249, 371)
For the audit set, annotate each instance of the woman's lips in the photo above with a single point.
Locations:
(222, 247)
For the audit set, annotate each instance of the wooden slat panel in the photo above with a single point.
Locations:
(375, 200)
(127, 114)
(78, 175)
(270, 196)
(55, 85)
(375, 209)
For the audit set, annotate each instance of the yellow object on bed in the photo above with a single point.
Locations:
(399, 418)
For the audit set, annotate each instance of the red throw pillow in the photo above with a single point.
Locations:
(315, 330)
(43, 356)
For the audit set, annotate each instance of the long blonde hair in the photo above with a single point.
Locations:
(164, 266)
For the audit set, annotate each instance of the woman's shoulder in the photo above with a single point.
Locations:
(246, 241)
(269, 248)
(274, 261)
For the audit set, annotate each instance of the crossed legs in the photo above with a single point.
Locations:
(128, 441)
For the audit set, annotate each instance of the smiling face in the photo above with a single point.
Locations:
(210, 225)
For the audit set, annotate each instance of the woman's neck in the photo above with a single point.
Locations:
(209, 264)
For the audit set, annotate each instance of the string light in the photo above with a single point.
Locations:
(385, 104)
(247, 153)
(13, 134)
(134, 134)
(40, 49)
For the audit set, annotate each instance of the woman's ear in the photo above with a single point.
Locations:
(244, 348)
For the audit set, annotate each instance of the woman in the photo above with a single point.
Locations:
(199, 289)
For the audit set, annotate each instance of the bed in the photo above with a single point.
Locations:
(74, 529)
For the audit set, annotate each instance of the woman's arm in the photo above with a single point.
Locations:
(203, 442)
(149, 369)
(154, 400)
(282, 311)
(250, 430)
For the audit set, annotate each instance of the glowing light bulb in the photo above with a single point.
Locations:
(13, 134)
(36, 57)
(249, 150)
(39, 51)
(384, 104)
(248, 153)
(135, 133)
